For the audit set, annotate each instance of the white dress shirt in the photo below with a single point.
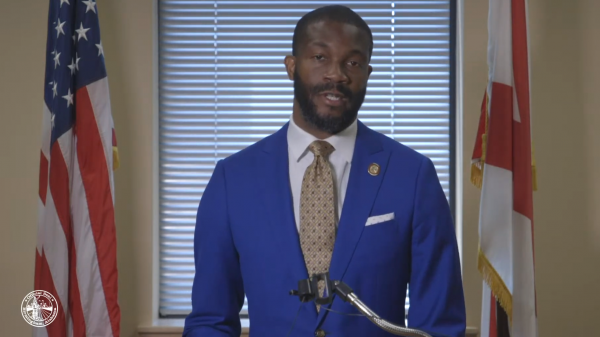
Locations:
(300, 158)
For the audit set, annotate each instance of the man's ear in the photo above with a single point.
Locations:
(290, 66)
(370, 70)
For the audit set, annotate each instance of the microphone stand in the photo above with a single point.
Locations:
(308, 291)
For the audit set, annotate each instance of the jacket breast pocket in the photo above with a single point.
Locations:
(379, 242)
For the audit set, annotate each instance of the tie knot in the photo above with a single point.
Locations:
(321, 148)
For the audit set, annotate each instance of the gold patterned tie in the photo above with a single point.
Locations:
(318, 217)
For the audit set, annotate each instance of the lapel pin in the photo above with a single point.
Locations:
(374, 169)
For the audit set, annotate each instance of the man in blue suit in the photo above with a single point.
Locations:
(325, 194)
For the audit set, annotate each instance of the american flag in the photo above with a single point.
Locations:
(76, 244)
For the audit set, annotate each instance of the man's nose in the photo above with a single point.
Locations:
(335, 73)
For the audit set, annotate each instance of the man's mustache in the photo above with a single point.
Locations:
(319, 88)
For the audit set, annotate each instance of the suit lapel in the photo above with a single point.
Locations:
(358, 201)
(277, 198)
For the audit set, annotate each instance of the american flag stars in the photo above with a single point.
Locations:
(54, 88)
(91, 6)
(81, 32)
(69, 98)
(59, 28)
(56, 58)
(100, 49)
(76, 57)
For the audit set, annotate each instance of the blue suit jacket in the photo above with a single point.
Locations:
(246, 242)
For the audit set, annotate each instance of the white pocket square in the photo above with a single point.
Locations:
(373, 220)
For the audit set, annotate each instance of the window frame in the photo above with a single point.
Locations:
(455, 140)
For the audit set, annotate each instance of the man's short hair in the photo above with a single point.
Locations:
(335, 13)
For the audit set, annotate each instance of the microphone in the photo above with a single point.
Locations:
(308, 291)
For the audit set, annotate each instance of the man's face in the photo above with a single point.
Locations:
(330, 74)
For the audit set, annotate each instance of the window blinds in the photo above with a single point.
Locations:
(223, 86)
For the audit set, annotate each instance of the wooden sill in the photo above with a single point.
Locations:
(169, 331)
(176, 331)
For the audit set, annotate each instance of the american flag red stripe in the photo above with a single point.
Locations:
(43, 177)
(95, 175)
(45, 282)
(503, 168)
(60, 189)
(76, 245)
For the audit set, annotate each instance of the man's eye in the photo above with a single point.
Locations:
(354, 63)
(319, 57)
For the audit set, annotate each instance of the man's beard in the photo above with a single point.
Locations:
(330, 124)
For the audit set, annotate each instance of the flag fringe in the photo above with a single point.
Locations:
(477, 174)
(479, 163)
(477, 167)
(496, 284)
(116, 161)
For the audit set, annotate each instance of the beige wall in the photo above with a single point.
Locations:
(565, 51)
(20, 134)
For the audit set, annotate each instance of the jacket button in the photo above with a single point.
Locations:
(320, 333)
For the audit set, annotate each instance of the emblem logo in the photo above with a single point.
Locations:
(39, 308)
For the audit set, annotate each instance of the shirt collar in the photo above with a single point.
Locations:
(343, 142)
